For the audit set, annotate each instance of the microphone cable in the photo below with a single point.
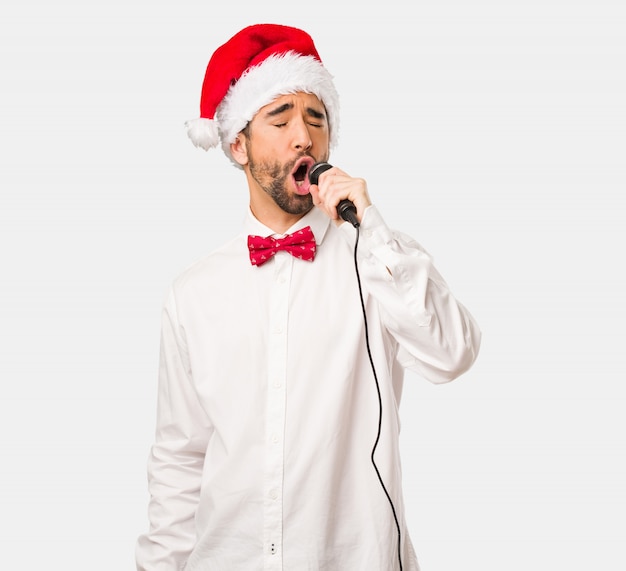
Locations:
(347, 211)
(380, 400)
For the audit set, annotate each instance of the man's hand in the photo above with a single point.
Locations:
(333, 186)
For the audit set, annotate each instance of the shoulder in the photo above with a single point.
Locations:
(228, 259)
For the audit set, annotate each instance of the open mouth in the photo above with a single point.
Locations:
(300, 174)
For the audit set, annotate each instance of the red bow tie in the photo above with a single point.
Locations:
(300, 244)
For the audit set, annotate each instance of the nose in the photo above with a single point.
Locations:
(302, 138)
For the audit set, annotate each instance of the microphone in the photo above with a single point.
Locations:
(345, 208)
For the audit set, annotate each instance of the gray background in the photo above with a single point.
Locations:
(492, 132)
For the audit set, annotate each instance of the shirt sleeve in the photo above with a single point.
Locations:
(438, 337)
(176, 458)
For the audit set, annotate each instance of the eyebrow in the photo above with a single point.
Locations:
(287, 106)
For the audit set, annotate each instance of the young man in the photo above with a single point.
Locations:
(281, 371)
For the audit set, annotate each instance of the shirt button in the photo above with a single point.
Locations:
(274, 438)
(277, 384)
(273, 494)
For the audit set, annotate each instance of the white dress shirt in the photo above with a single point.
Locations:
(268, 407)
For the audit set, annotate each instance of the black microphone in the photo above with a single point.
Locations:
(345, 208)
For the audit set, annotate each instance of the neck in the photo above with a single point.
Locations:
(273, 217)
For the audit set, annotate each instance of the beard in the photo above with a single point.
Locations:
(275, 180)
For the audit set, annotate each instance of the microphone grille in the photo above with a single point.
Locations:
(316, 170)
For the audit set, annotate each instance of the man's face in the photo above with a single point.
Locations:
(283, 141)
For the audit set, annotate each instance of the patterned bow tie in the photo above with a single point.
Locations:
(300, 244)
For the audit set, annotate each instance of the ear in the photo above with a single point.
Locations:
(239, 149)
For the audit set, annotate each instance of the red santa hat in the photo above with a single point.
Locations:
(249, 71)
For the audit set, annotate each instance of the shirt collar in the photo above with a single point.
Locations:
(316, 219)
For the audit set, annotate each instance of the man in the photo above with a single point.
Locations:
(281, 370)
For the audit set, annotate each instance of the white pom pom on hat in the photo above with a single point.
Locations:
(249, 71)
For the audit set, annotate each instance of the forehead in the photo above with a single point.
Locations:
(298, 100)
